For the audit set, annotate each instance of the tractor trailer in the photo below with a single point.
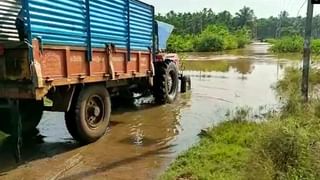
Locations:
(77, 53)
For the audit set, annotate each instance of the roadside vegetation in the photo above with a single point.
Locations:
(207, 30)
(292, 44)
(285, 145)
(213, 38)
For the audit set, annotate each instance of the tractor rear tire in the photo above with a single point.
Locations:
(31, 112)
(166, 82)
(89, 118)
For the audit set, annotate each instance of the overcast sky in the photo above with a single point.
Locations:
(262, 8)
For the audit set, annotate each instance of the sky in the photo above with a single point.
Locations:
(262, 8)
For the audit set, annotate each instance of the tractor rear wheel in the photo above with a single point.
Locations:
(30, 112)
(166, 82)
(88, 120)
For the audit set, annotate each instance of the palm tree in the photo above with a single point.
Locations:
(245, 17)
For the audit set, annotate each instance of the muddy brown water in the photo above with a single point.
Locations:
(144, 139)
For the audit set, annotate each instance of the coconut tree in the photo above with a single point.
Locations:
(245, 17)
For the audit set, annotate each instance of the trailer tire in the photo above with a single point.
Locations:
(166, 82)
(71, 125)
(31, 112)
(88, 121)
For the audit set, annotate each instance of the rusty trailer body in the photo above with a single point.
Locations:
(73, 42)
(55, 66)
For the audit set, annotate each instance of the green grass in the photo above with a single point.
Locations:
(221, 154)
(286, 145)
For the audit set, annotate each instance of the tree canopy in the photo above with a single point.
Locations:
(261, 28)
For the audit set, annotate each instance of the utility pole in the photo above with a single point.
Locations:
(307, 53)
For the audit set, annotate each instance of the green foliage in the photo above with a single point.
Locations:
(194, 23)
(179, 43)
(243, 38)
(284, 25)
(293, 44)
(288, 45)
(285, 146)
(316, 46)
(260, 28)
(208, 43)
(213, 38)
(221, 154)
(270, 40)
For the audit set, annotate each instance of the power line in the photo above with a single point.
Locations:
(303, 4)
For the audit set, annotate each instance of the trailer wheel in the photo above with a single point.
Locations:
(31, 113)
(89, 119)
(71, 124)
(166, 82)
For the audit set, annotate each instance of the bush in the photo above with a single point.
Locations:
(213, 38)
(288, 45)
(293, 44)
(230, 42)
(206, 43)
(178, 43)
(271, 41)
(316, 46)
(284, 150)
(242, 37)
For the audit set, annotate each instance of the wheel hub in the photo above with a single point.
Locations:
(94, 112)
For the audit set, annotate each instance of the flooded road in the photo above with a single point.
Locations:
(143, 140)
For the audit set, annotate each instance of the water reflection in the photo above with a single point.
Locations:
(242, 66)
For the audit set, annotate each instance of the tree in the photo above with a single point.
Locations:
(245, 17)
(224, 18)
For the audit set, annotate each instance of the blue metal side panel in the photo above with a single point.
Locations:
(60, 22)
(109, 23)
(141, 25)
(64, 22)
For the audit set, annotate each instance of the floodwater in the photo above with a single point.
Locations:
(144, 139)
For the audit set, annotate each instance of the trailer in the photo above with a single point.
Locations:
(77, 53)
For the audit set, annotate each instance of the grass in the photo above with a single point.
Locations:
(221, 154)
(286, 145)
